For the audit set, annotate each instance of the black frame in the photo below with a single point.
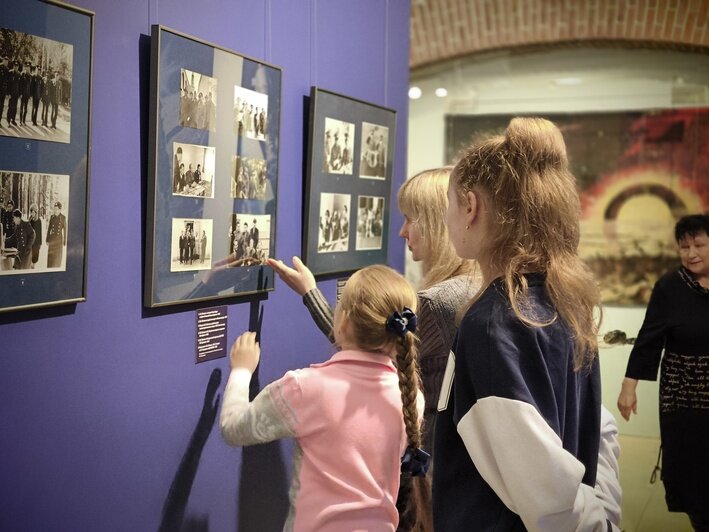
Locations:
(362, 180)
(45, 165)
(225, 141)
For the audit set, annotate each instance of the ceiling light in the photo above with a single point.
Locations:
(441, 92)
(415, 93)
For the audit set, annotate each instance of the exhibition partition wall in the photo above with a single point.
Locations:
(107, 422)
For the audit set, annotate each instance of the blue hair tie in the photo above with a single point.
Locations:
(415, 462)
(401, 323)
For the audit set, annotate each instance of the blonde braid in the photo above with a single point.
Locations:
(407, 368)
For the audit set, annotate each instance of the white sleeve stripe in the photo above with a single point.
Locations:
(523, 460)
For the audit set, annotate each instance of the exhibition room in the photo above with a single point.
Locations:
(197, 200)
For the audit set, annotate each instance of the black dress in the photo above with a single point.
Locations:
(677, 320)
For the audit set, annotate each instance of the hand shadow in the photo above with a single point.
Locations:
(263, 486)
(173, 512)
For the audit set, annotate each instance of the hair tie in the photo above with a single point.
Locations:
(401, 323)
(415, 462)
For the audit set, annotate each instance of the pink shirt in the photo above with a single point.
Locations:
(345, 415)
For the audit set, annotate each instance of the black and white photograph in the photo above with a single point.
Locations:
(370, 224)
(250, 113)
(193, 170)
(191, 244)
(249, 238)
(249, 179)
(33, 229)
(339, 144)
(198, 100)
(334, 231)
(373, 160)
(35, 87)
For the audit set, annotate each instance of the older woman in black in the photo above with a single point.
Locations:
(677, 321)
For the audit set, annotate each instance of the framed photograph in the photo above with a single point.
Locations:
(45, 140)
(348, 183)
(213, 175)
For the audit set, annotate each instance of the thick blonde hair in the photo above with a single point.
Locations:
(370, 297)
(423, 199)
(524, 181)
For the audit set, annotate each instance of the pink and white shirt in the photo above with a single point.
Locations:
(345, 415)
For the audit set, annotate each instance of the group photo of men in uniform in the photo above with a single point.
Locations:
(33, 225)
(35, 87)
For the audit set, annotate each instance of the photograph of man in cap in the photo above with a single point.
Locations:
(4, 78)
(25, 79)
(6, 220)
(13, 90)
(22, 239)
(56, 237)
(35, 91)
(44, 96)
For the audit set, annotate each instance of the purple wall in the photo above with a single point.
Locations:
(99, 401)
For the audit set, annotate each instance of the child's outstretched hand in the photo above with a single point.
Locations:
(299, 278)
(245, 352)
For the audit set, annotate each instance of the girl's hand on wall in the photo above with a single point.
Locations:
(245, 352)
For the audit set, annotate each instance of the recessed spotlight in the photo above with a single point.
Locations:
(415, 93)
(441, 92)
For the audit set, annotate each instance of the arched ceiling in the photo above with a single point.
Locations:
(442, 30)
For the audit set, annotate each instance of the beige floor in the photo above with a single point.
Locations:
(644, 508)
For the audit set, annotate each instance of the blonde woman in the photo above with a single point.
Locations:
(353, 416)
(448, 281)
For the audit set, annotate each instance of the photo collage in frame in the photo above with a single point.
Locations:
(45, 138)
(215, 126)
(348, 183)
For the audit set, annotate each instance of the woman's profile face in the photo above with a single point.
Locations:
(694, 253)
(414, 239)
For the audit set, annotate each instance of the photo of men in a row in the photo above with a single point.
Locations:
(193, 170)
(249, 179)
(339, 143)
(250, 113)
(191, 244)
(198, 100)
(33, 225)
(35, 87)
(249, 238)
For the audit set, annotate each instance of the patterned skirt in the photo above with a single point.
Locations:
(684, 429)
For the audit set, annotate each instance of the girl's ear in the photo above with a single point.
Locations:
(472, 207)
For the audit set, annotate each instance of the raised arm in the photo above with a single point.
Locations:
(302, 281)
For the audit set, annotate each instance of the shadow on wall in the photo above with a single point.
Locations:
(263, 486)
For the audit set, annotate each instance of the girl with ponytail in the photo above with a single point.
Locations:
(518, 430)
(355, 418)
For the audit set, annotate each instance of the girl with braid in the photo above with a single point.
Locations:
(345, 414)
